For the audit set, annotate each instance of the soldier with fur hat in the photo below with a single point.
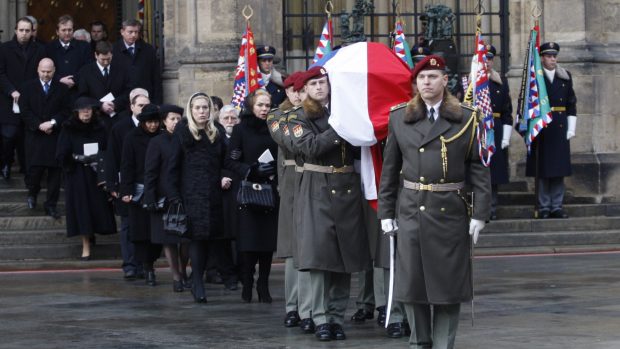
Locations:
(430, 144)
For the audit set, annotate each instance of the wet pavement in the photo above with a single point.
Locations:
(567, 301)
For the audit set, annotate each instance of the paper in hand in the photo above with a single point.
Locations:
(107, 98)
(266, 157)
(91, 148)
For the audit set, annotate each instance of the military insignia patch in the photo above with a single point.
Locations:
(275, 126)
(433, 61)
(285, 130)
(298, 131)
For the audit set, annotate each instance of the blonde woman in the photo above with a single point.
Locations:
(194, 178)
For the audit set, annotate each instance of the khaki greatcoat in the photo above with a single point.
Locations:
(432, 259)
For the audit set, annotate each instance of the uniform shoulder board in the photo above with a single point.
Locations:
(273, 110)
(467, 107)
(398, 106)
(294, 108)
(271, 117)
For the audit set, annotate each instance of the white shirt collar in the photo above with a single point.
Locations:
(550, 74)
(436, 107)
(101, 67)
(43, 83)
(135, 120)
(63, 44)
(128, 46)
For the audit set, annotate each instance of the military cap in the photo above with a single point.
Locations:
(491, 52)
(549, 48)
(85, 102)
(264, 52)
(313, 73)
(432, 62)
(149, 112)
(418, 52)
(164, 109)
(291, 79)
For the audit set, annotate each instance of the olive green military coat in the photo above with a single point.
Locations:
(432, 258)
(330, 230)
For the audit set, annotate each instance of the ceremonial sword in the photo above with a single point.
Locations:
(391, 285)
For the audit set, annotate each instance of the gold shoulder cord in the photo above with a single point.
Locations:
(444, 141)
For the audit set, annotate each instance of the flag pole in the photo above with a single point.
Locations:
(536, 13)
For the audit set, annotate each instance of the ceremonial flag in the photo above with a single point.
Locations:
(247, 76)
(325, 42)
(482, 101)
(366, 79)
(401, 47)
(536, 109)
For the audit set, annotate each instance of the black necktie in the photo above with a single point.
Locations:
(105, 72)
(131, 50)
(431, 115)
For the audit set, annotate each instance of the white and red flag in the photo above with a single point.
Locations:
(247, 76)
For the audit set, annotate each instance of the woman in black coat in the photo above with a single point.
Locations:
(194, 178)
(88, 210)
(155, 198)
(258, 229)
(132, 188)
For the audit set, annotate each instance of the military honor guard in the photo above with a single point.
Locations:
(331, 238)
(272, 79)
(501, 105)
(431, 139)
(551, 151)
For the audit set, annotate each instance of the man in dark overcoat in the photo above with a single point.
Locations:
(501, 105)
(552, 146)
(107, 82)
(273, 79)
(19, 59)
(44, 106)
(431, 139)
(139, 59)
(332, 241)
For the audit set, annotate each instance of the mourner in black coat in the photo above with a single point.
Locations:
(112, 163)
(132, 187)
(155, 200)
(19, 59)
(258, 229)
(103, 77)
(44, 107)
(88, 209)
(194, 178)
(140, 59)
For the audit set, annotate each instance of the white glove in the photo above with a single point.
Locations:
(475, 226)
(572, 123)
(389, 226)
(507, 130)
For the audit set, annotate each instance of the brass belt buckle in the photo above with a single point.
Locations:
(428, 187)
(338, 169)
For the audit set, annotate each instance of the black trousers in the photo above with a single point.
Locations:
(220, 259)
(54, 175)
(248, 263)
(147, 253)
(10, 137)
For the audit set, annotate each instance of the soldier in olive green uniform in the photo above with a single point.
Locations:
(331, 237)
(432, 140)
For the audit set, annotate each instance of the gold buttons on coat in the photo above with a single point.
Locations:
(422, 208)
(348, 191)
(422, 179)
(443, 209)
(333, 191)
(441, 180)
(421, 150)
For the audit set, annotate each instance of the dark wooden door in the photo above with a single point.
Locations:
(83, 13)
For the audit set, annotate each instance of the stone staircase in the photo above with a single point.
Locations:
(29, 239)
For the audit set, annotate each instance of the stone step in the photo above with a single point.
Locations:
(527, 198)
(58, 251)
(574, 210)
(31, 223)
(53, 236)
(19, 194)
(548, 225)
(520, 186)
(20, 209)
(504, 251)
(554, 238)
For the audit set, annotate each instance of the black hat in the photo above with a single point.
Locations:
(418, 52)
(549, 48)
(491, 52)
(149, 112)
(85, 102)
(169, 108)
(265, 52)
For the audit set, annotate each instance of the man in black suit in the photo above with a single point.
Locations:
(139, 98)
(18, 62)
(68, 54)
(44, 106)
(140, 59)
(106, 82)
(98, 32)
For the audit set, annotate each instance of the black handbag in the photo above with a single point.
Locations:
(257, 196)
(175, 221)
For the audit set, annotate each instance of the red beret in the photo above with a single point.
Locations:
(432, 62)
(291, 79)
(313, 73)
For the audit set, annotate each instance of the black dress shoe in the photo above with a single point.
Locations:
(338, 332)
(32, 202)
(231, 285)
(6, 172)
(323, 332)
(151, 280)
(493, 217)
(130, 275)
(291, 319)
(187, 282)
(84, 258)
(307, 325)
(51, 211)
(382, 315)
(199, 295)
(558, 214)
(543, 214)
(362, 315)
(177, 286)
(395, 330)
